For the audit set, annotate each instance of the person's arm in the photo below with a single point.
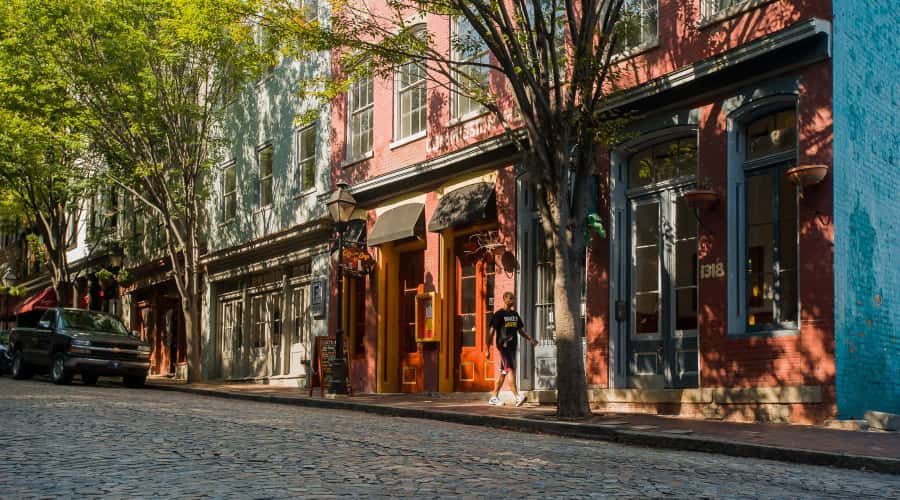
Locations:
(522, 333)
(490, 339)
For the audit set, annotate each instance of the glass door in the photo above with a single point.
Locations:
(662, 347)
(412, 374)
(474, 308)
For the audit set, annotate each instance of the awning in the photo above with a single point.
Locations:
(465, 206)
(45, 299)
(399, 223)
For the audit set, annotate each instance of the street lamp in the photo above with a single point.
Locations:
(9, 279)
(340, 205)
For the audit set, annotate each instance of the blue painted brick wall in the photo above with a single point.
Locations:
(867, 205)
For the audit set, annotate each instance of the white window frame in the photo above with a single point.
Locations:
(356, 116)
(399, 92)
(710, 14)
(262, 178)
(307, 159)
(645, 43)
(226, 193)
(475, 109)
(737, 213)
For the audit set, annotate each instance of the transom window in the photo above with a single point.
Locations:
(668, 160)
(473, 81)
(264, 159)
(229, 195)
(775, 133)
(638, 24)
(360, 111)
(410, 100)
(306, 157)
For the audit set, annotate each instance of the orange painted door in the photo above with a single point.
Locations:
(474, 307)
(412, 270)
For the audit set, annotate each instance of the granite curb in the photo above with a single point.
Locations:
(660, 440)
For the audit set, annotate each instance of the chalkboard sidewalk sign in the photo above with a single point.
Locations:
(323, 353)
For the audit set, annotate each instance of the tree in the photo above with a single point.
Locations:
(41, 164)
(555, 60)
(151, 77)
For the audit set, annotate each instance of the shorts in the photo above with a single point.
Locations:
(507, 359)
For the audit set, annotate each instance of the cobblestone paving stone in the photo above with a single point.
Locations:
(109, 441)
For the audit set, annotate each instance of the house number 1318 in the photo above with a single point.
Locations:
(714, 270)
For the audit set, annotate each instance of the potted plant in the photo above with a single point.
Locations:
(105, 277)
(807, 175)
(703, 196)
(124, 277)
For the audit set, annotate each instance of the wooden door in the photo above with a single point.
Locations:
(412, 373)
(474, 307)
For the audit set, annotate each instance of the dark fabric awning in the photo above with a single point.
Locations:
(399, 223)
(464, 206)
(45, 299)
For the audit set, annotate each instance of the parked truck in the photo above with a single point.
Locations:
(66, 342)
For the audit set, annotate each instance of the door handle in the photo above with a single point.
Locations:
(620, 310)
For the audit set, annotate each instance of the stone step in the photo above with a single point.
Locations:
(883, 420)
(847, 425)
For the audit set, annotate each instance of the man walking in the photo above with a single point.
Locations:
(507, 325)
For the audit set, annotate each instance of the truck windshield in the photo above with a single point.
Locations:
(92, 321)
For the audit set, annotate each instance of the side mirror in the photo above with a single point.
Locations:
(44, 324)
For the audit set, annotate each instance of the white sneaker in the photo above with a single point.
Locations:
(520, 400)
(495, 401)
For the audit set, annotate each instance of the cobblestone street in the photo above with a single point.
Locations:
(109, 441)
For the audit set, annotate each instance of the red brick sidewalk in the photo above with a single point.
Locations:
(795, 443)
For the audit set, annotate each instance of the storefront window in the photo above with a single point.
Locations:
(770, 224)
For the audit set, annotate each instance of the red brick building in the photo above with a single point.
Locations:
(721, 309)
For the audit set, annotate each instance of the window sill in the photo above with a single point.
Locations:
(227, 222)
(733, 11)
(467, 118)
(406, 140)
(354, 161)
(774, 332)
(635, 51)
(304, 194)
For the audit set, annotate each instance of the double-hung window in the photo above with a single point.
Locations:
(306, 157)
(473, 81)
(229, 194)
(409, 98)
(769, 250)
(360, 104)
(638, 25)
(264, 160)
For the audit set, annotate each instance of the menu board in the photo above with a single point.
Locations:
(323, 352)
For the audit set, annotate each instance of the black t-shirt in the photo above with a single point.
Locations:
(507, 324)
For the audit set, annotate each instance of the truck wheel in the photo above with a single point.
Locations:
(59, 375)
(89, 378)
(134, 381)
(20, 369)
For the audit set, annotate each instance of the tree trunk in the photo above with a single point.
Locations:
(192, 322)
(571, 385)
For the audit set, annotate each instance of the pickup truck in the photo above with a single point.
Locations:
(77, 341)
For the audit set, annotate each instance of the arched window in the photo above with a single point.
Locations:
(770, 221)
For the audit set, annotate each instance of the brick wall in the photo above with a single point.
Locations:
(867, 205)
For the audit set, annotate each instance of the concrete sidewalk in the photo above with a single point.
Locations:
(874, 451)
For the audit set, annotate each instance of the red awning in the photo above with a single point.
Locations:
(46, 298)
